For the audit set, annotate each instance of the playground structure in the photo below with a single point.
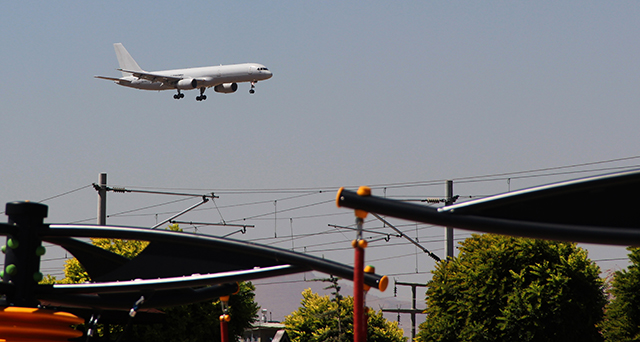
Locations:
(175, 268)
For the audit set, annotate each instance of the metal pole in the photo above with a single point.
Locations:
(359, 244)
(224, 319)
(448, 246)
(102, 199)
(413, 311)
(224, 334)
(413, 314)
(358, 288)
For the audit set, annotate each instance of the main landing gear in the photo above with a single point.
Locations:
(202, 96)
(179, 95)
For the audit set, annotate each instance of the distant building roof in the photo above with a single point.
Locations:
(266, 332)
(281, 336)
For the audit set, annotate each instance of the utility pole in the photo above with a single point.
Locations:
(102, 189)
(413, 311)
(448, 244)
(102, 199)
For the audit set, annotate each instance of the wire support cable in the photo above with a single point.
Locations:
(406, 237)
(98, 187)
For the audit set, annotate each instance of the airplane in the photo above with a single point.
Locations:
(223, 78)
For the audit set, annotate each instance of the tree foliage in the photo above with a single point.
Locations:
(622, 315)
(75, 273)
(514, 289)
(321, 319)
(193, 322)
(200, 322)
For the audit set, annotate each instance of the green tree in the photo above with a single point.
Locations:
(193, 322)
(75, 273)
(321, 319)
(200, 322)
(622, 315)
(514, 289)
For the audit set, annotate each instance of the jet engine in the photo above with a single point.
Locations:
(187, 83)
(226, 88)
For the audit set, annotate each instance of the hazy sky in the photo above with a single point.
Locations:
(374, 93)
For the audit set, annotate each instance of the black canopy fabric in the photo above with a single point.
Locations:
(595, 210)
(607, 201)
(175, 268)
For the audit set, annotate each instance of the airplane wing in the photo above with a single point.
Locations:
(153, 77)
(108, 78)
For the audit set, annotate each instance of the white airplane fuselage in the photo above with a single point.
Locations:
(223, 78)
(207, 77)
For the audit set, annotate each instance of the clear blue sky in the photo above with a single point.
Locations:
(363, 93)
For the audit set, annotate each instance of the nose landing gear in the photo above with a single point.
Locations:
(253, 85)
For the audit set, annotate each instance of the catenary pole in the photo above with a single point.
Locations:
(102, 199)
(448, 244)
(413, 311)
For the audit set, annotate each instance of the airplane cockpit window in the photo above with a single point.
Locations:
(263, 69)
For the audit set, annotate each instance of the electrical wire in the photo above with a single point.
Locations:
(309, 191)
(304, 192)
(399, 184)
(66, 193)
(62, 194)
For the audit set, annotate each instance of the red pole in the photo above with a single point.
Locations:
(224, 334)
(359, 330)
(358, 293)
(224, 319)
(359, 244)
(368, 269)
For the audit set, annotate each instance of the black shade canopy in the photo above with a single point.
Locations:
(175, 268)
(607, 201)
(594, 210)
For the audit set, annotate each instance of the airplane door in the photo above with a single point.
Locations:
(251, 68)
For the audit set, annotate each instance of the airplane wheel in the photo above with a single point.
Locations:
(198, 98)
(204, 97)
(181, 95)
(176, 96)
(251, 91)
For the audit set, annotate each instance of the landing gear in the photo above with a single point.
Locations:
(252, 90)
(202, 96)
(179, 95)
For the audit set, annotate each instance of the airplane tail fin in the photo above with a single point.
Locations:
(125, 60)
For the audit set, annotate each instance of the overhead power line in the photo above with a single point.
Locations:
(437, 182)
(66, 193)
